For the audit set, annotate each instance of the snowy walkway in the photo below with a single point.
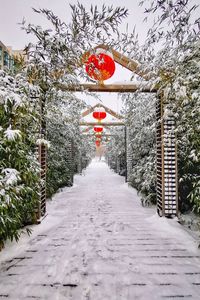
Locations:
(99, 243)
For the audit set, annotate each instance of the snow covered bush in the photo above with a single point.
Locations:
(139, 112)
(183, 98)
(140, 120)
(176, 70)
(63, 132)
(19, 181)
(115, 151)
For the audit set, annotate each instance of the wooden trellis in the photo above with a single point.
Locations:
(167, 173)
(42, 153)
(43, 164)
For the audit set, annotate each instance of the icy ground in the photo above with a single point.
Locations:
(99, 243)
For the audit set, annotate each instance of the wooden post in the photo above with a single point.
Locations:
(70, 162)
(128, 156)
(42, 153)
(125, 142)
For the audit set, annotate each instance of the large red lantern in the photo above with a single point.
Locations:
(100, 66)
(98, 128)
(99, 113)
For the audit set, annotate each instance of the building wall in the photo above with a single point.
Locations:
(7, 55)
(6, 58)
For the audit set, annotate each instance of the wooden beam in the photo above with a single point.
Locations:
(110, 88)
(88, 111)
(102, 124)
(103, 135)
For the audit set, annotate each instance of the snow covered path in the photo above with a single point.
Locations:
(99, 243)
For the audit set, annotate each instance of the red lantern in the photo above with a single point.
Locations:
(100, 66)
(99, 113)
(98, 128)
(97, 143)
(98, 139)
(98, 135)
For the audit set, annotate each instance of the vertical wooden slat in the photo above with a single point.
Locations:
(42, 160)
(125, 138)
(167, 172)
(170, 168)
(159, 158)
(128, 156)
(70, 162)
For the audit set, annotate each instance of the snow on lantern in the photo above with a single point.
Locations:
(98, 128)
(100, 65)
(99, 113)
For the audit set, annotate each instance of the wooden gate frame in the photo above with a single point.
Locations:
(90, 125)
(167, 171)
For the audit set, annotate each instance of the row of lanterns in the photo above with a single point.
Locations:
(99, 114)
(100, 66)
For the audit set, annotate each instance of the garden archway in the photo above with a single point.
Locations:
(166, 167)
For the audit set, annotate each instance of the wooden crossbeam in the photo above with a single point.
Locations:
(102, 124)
(103, 135)
(110, 88)
(88, 111)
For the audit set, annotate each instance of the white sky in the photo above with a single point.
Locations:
(13, 11)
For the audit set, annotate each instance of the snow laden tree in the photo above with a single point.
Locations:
(176, 72)
(170, 58)
(140, 121)
(116, 152)
(139, 112)
(19, 168)
(66, 154)
(182, 95)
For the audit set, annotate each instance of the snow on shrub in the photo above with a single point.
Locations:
(19, 169)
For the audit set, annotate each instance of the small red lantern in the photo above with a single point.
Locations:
(99, 113)
(98, 128)
(100, 66)
(98, 136)
(97, 143)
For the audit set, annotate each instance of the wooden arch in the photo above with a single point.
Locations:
(91, 124)
(167, 172)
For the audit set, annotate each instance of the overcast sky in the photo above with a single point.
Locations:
(13, 11)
